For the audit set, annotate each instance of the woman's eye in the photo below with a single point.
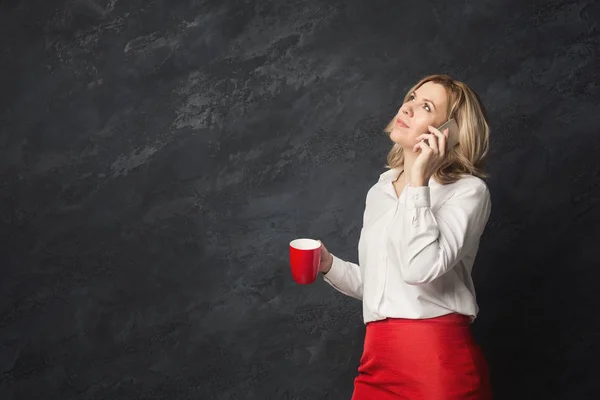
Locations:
(425, 106)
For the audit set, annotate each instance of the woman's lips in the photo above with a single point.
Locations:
(401, 123)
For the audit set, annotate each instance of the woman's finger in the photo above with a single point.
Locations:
(433, 143)
(434, 130)
(424, 136)
(437, 132)
(323, 248)
(441, 136)
(422, 145)
(442, 142)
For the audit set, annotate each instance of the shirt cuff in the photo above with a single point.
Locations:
(417, 197)
(336, 272)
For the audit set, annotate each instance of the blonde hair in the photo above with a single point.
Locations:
(467, 157)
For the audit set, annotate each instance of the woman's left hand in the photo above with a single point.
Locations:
(431, 155)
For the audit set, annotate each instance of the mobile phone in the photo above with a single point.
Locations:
(452, 133)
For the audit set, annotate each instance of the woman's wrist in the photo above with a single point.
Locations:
(416, 182)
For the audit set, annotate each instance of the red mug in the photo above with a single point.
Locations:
(305, 257)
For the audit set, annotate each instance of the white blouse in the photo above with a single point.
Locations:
(416, 251)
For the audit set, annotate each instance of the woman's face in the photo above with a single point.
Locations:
(425, 106)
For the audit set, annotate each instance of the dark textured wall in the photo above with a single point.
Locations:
(158, 156)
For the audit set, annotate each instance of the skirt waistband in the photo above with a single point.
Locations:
(452, 319)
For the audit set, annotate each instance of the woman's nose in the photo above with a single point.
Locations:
(406, 109)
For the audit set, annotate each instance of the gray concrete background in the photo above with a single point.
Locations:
(156, 157)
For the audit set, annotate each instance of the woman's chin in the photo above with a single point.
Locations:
(399, 139)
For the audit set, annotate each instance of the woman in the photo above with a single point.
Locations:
(422, 224)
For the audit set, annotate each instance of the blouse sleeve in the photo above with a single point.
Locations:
(345, 277)
(436, 242)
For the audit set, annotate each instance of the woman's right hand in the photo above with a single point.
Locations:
(326, 259)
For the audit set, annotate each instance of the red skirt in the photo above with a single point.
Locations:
(423, 359)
